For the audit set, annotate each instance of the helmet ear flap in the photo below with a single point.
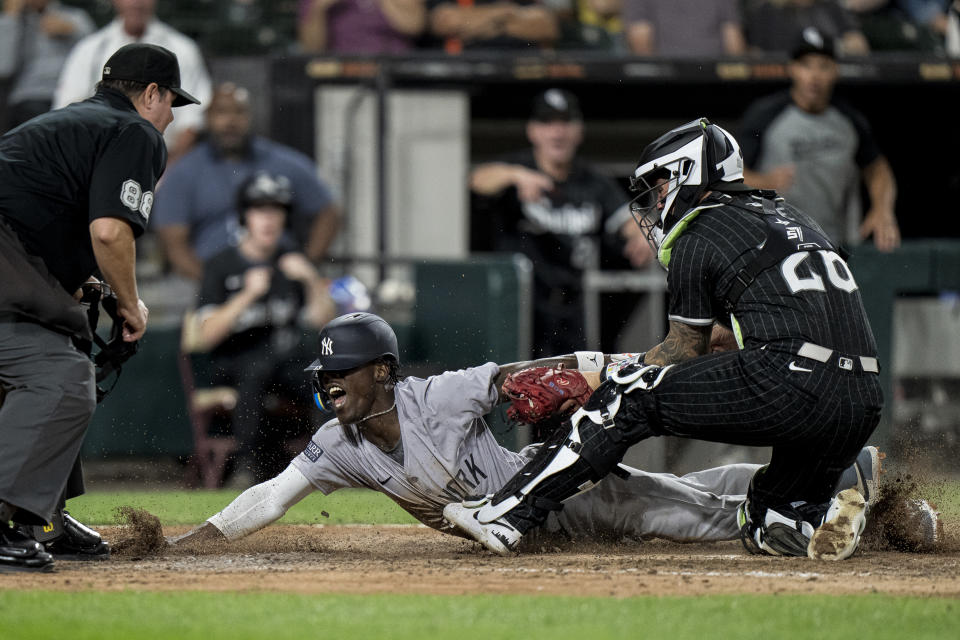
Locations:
(320, 397)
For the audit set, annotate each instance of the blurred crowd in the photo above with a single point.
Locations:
(672, 28)
(51, 51)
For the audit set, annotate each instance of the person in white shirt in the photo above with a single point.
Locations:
(136, 22)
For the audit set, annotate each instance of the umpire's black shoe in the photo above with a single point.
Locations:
(77, 542)
(21, 553)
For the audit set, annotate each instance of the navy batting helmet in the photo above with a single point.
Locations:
(355, 339)
(349, 341)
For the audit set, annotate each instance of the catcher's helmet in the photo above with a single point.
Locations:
(350, 341)
(263, 188)
(692, 158)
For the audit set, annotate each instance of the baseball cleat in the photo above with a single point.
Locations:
(497, 536)
(837, 538)
(864, 474)
(783, 532)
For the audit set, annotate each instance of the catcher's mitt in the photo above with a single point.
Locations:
(542, 393)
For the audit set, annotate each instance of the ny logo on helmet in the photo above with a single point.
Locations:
(326, 346)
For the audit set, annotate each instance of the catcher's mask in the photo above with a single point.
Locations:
(350, 341)
(676, 170)
(114, 351)
(262, 189)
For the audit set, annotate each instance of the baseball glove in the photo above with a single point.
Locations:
(542, 393)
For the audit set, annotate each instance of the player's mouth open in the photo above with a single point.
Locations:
(338, 395)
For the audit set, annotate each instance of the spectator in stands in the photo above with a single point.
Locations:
(35, 38)
(901, 25)
(195, 213)
(773, 25)
(251, 305)
(813, 148)
(684, 28)
(492, 24)
(135, 22)
(928, 13)
(590, 25)
(360, 26)
(562, 213)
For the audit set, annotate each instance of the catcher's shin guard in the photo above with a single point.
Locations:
(569, 463)
(573, 461)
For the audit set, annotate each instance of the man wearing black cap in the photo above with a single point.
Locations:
(557, 210)
(814, 149)
(76, 189)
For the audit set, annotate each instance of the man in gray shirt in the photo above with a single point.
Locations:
(35, 38)
(424, 443)
(684, 28)
(812, 148)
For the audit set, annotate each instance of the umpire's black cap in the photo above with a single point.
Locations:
(148, 63)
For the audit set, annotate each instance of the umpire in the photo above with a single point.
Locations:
(76, 189)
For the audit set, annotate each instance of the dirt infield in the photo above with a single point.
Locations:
(414, 559)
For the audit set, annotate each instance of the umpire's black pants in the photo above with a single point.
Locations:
(50, 398)
(815, 415)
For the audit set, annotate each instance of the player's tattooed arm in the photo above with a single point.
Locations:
(683, 342)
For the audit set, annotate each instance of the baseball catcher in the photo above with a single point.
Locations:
(803, 381)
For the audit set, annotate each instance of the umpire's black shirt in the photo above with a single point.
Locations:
(60, 171)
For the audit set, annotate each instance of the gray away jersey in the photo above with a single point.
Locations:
(448, 450)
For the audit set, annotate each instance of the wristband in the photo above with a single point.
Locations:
(620, 360)
(589, 360)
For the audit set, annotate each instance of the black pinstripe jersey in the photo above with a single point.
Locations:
(810, 296)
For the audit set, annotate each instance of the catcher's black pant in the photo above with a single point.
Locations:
(49, 400)
(815, 415)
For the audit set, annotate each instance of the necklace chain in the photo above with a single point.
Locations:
(380, 413)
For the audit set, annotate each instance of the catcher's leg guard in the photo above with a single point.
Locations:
(573, 462)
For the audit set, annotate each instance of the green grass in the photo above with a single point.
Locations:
(35, 615)
(349, 506)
